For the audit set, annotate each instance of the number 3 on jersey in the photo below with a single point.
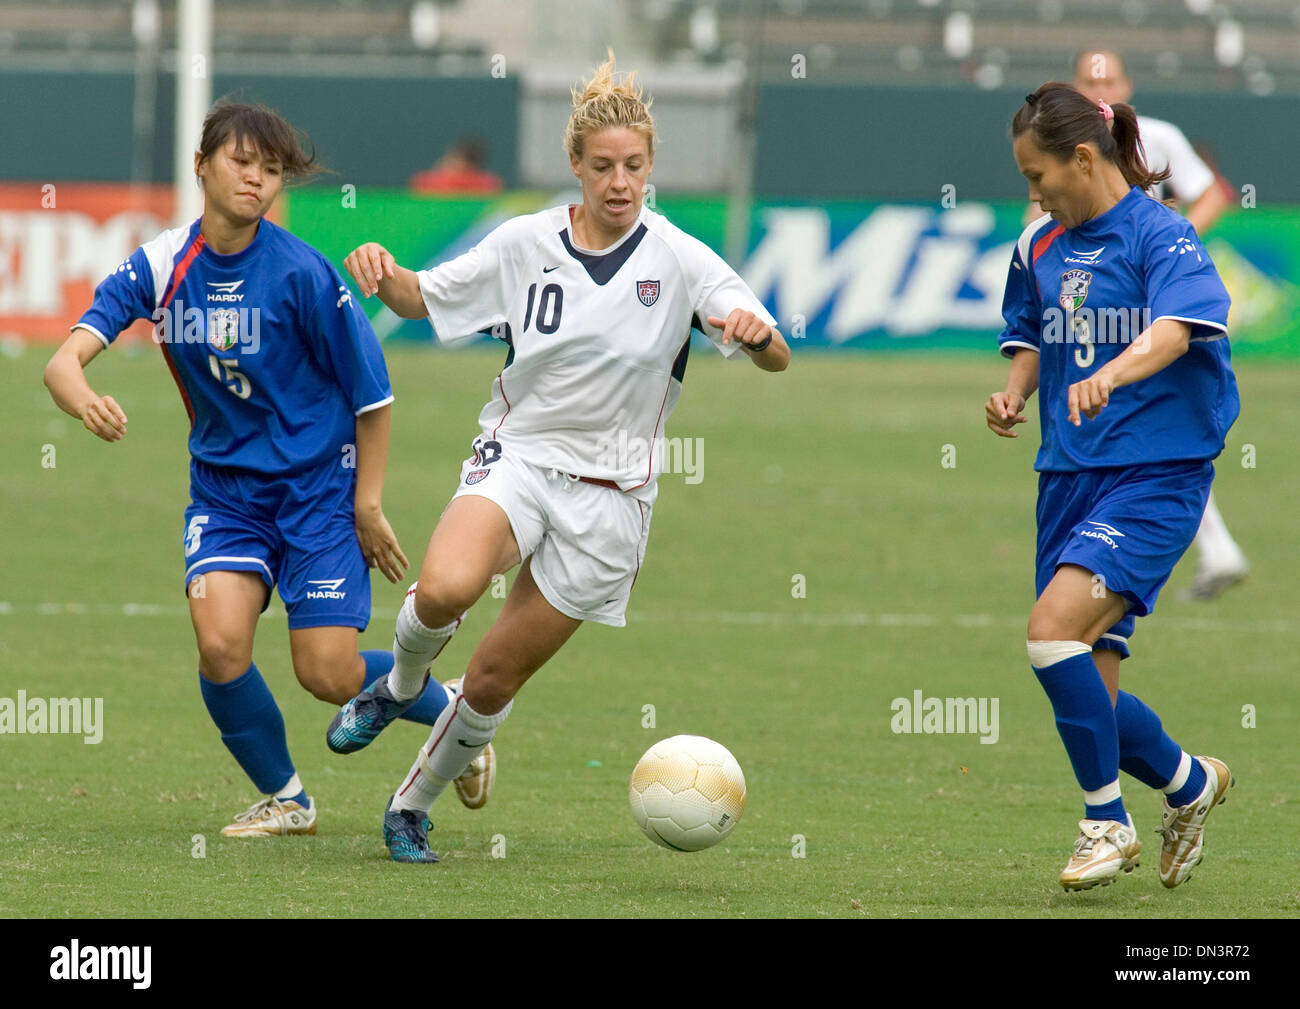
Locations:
(223, 371)
(549, 307)
(1085, 351)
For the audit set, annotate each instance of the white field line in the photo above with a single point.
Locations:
(790, 618)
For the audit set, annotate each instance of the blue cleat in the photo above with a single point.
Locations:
(365, 716)
(407, 835)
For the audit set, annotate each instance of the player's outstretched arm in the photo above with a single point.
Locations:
(376, 272)
(1002, 410)
(766, 346)
(378, 542)
(65, 377)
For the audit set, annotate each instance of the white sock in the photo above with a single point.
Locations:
(1217, 547)
(1180, 776)
(291, 788)
(415, 646)
(459, 735)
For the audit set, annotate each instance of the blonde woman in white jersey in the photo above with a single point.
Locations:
(596, 302)
(1100, 75)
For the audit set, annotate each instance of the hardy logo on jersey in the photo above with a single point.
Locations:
(1074, 289)
(329, 588)
(1086, 258)
(474, 476)
(223, 328)
(647, 291)
(225, 292)
(1103, 532)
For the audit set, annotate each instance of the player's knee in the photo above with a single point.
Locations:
(1045, 625)
(335, 679)
(443, 597)
(489, 686)
(223, 656)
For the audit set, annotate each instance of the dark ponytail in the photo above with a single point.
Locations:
(1061, 118)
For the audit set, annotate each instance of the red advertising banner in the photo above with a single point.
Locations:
(59, 240)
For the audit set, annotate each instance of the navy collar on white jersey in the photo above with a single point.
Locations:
(602, 266)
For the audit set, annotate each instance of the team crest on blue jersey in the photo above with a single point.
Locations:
(1074, 289)
(474, 476)
(223, 328)
(647, 291)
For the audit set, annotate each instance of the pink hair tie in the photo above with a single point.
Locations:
(1107, 112)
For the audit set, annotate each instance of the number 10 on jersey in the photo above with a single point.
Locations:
(549, 308)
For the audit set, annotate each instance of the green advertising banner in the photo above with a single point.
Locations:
(835, 274)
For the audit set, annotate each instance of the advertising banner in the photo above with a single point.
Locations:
(836, 275)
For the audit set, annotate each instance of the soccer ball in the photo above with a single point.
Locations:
(687, 793)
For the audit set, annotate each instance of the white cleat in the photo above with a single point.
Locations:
(1182, 828)
(272, 817)
(1212, 582)
(1103, 850)
(474, 785)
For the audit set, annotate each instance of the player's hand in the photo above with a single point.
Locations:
(379, 545)
(104, 418)
(745, 328)
(1002, 411)
(369, 264)
(1089, 396)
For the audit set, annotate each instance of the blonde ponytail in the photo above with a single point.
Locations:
(602, 102)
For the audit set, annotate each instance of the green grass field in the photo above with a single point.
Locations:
(917, 576)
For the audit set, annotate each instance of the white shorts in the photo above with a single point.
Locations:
(587, 541)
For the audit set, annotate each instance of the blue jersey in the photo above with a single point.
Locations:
(272, 357)
(1080, 296)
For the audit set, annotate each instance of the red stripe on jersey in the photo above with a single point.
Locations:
(1041, 245)
(178, 275)
(503, 396)
(650, 462)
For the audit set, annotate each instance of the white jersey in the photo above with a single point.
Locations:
(1166, 147)
(598, 340)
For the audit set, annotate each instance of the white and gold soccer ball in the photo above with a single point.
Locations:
(687, 793)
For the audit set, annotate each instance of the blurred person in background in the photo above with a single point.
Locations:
(460, 170)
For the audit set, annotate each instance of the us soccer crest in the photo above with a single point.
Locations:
(1074, 289)
(223, 328)
(647, 291)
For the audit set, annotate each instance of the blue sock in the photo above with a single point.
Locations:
(1192, 787)
(251, 727)
(1086, 721)
(1145, 750)
(431, 702)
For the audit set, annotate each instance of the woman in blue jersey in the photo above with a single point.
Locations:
(289, 401)
(1116, 317)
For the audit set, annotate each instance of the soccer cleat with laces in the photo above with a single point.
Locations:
(272, 817)
(475, 783)
(1182, 828)
(1104, 849)
(407, 835)
(364, 717)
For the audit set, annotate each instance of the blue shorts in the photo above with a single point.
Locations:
(296, 531)
(1129, 525)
